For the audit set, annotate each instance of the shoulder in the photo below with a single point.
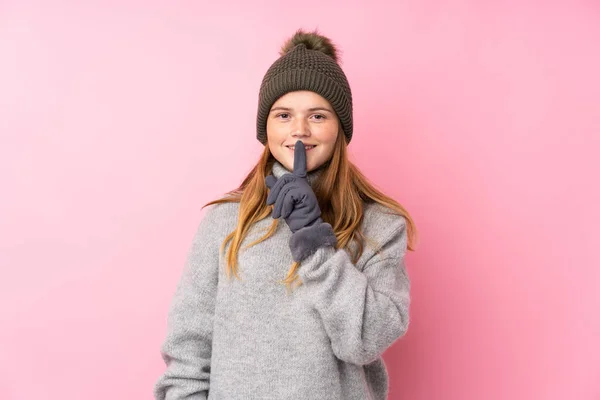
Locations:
(218, 219)
(380, 220)
(384, 231)
(221, 212)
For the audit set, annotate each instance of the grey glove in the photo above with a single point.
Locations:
(295, 201)
(292, 195)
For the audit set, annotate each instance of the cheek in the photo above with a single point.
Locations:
(326, 133)
(329, 135)
(274, 132)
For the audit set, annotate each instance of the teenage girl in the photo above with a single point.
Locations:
(239, 327)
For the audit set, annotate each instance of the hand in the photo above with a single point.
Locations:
(292, 195)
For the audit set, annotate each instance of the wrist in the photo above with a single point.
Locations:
(307, 240)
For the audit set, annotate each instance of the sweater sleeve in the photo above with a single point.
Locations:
(363, 312)
(187, 347)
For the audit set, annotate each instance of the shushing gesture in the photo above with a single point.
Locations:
(292, 195)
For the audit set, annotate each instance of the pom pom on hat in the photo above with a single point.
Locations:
(312, 41)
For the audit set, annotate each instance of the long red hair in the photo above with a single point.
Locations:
(341, 190)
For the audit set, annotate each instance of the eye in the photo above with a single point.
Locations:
(282, 115)
(319, 117)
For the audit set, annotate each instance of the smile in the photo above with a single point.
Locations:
(307, 147)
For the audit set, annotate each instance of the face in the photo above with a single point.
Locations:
(305, 116)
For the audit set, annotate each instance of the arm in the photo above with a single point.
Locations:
(362, 312)
(187, 348)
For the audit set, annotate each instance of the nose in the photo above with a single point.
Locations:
(300, 128)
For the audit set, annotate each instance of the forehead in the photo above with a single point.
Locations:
(301, 98)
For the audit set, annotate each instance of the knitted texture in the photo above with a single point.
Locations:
(230, 339)
(304, 69)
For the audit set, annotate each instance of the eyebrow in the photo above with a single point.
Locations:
(310, 109)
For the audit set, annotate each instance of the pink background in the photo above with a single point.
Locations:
(118, 120)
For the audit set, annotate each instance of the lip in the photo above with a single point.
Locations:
(305, 145)
(307, 150)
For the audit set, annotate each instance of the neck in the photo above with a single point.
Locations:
(279, 170)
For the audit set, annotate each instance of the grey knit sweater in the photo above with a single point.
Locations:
(251, 339)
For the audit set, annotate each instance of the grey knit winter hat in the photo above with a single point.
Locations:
(308, 62)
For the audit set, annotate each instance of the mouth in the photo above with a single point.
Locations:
(307, 147)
